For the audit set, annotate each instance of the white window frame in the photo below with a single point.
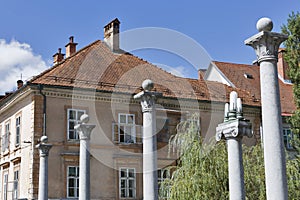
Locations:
(161, 178)
(15, 192)
(76, 182)
(18, 130)
(287, 137)
(5, 137)
(5, 185)
(127, 180)
(126, 129)
(76, 120)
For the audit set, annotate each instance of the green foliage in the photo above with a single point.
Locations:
(292, 57)
(202, 169)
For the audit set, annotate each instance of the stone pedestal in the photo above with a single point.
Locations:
(232, 130)
(266, 45)
(147, 98)
(44, 149)
(84, 130)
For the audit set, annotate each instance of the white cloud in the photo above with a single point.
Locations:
(15, 59)
(177, 71)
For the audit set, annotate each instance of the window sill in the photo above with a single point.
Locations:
(5, 153)
(74, 141)
(17, 147)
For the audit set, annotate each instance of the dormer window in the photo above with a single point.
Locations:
(248, 76)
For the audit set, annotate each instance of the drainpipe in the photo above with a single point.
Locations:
(44, 108)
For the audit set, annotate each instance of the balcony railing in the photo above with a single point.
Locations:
(127, 133)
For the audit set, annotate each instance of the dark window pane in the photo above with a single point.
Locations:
(71, 125)
(122, 119)
(71, 182)
(131, 173)
(130, 119)
(123, 193)
(131, 183)
(123, 183)
(71, 192)
(72, 171)
(123, 172)
(72, 135)
(72, 114)
(130, 193)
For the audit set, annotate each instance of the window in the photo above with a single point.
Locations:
(162, 129)
(73, 182)
(127, 128)
(16, 185)
(5, 185)
(127, 183)
(162, 175)
(18, 130)
(73, 119)
(287, 137)
(5, 137)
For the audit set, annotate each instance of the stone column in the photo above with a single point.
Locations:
(232, 130)
(147, 98)
(266, 44)
(44, 149)
(84, 130)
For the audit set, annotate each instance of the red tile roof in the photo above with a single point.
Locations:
(96, 67)
(237, 73)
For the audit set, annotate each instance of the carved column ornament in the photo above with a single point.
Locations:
(84, 131)
(235, 129)
(44, 149)
(266, 45)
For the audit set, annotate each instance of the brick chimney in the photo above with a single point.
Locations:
(201, 74)
(58, 57)
(70, 47)
(282, 65)
(111, 34)
(19, 84)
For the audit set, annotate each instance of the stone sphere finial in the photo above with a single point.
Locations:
(147, 85)
(84, 118)
(44, 139)
(264, 24)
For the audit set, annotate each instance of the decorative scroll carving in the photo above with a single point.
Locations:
(266, 45)
(44, 149)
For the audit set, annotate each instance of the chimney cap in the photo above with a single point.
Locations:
(115, 21)
(58, 52)
(71, 41)
(19, 84)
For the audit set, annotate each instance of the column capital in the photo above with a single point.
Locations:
(84, 128)
(147, 97)
(234, 129)
(44, 149)
(266, 45)
(85, 131)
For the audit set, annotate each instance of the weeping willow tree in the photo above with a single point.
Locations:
(202, 169)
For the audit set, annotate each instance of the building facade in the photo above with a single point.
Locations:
(100, 80)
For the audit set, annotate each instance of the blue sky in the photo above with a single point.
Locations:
(36, 29)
